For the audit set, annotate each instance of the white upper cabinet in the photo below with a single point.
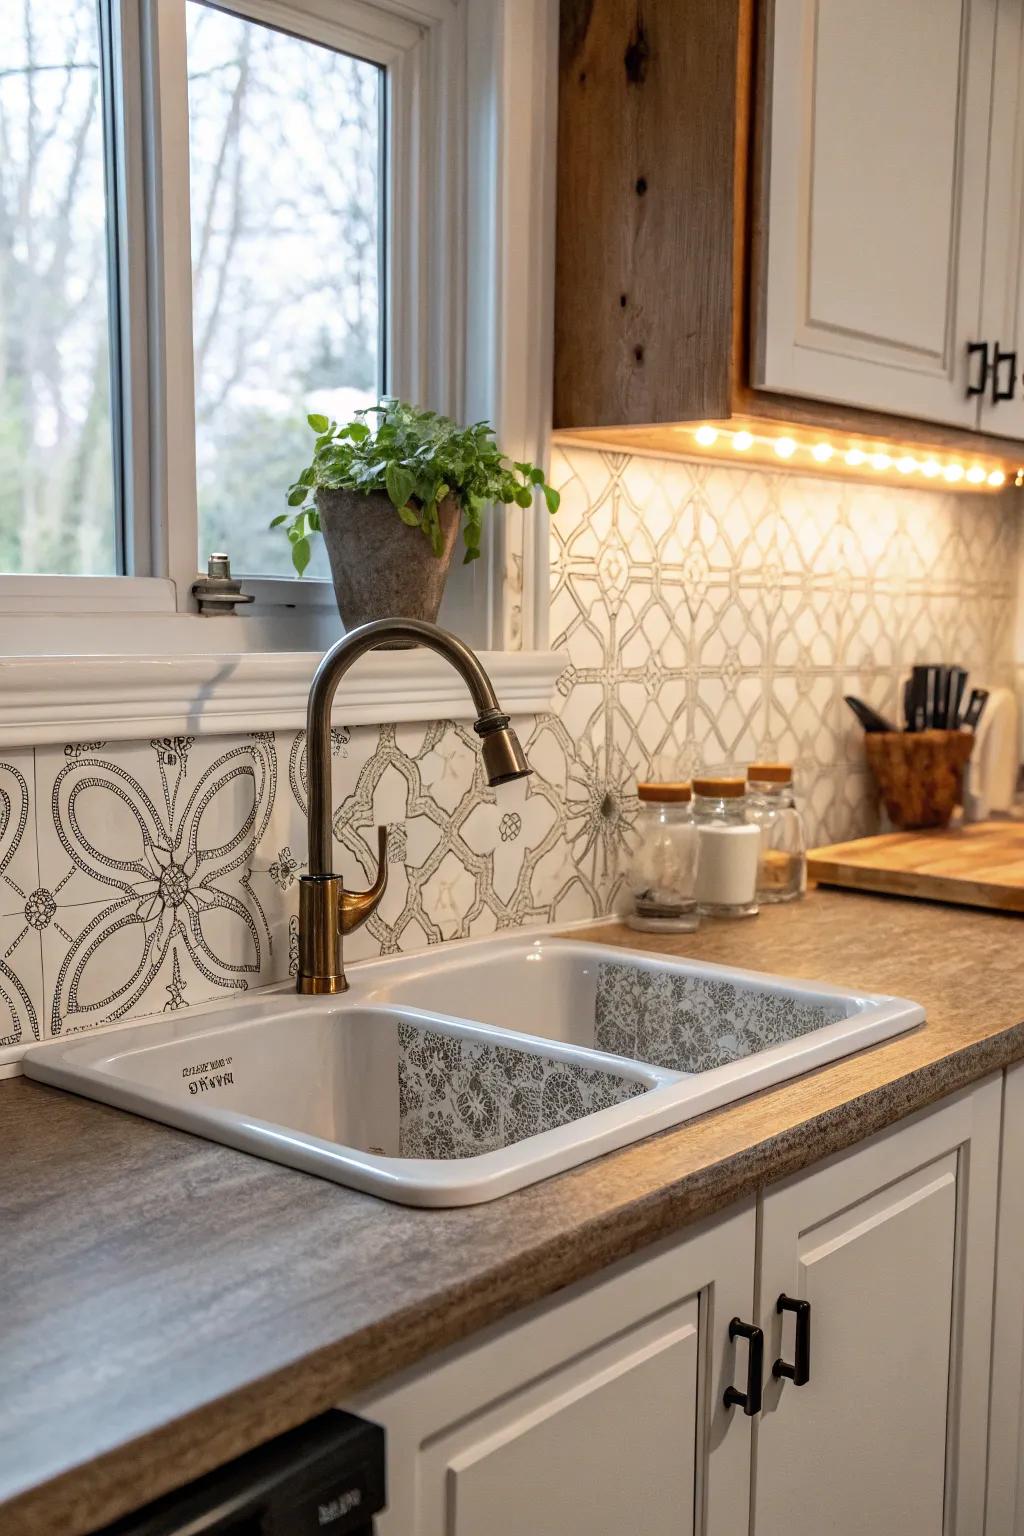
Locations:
(1002, 325)
(875, 142)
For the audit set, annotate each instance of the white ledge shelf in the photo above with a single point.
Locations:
(66, 699)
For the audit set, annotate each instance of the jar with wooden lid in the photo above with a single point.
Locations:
(728, 847)
(662, 874)
(782, 866)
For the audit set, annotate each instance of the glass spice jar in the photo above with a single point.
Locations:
(782, 871)
(728, 848)
(662, 875)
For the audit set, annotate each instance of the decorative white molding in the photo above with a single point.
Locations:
(47, 699)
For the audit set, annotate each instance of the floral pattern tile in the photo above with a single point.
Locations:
(19, 859)
(695, 1023)
(21, 982)
(460, 1098)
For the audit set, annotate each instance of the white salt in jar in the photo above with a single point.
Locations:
(728, 848)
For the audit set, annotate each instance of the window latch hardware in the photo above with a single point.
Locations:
(218, 591)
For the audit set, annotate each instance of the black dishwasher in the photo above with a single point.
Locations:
(325, 1478)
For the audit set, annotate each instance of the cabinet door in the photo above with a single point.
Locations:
(599, 1413)
(1005, 1509)
(872, 202)
(892, 1245)
(1002, 323)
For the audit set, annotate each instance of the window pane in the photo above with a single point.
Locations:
(57, 500)
(285, 167)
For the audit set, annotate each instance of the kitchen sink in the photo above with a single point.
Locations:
(455, 1076)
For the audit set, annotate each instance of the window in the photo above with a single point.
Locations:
(285, 156)
(216, 218)
(58, 502)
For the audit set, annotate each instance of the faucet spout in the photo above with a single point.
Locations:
(322, 900)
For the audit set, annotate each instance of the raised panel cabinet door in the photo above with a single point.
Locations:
(872, 202)
(594, 1414)
(1002, 323)
(892, 1247)
(1004, 1515)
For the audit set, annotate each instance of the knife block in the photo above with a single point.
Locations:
(919, 774)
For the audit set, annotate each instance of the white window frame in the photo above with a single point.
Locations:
(469, 312)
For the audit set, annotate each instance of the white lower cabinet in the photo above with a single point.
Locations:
(893, 1245)
(1005, 1508)
(604, 1411)
(598, 1412)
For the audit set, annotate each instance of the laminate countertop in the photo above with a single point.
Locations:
(166, 1303)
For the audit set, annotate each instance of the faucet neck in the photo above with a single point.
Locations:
(332, 669)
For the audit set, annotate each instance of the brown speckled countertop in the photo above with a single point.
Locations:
(166, 1303)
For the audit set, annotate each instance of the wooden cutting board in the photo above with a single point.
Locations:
(975, 866)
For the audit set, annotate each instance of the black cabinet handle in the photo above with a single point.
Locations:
(974, 348)
(998, 359)
(799, 1373)
(750, 1400)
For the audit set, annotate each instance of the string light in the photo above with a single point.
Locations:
(975, 474)
(931, 468)
(822, 452)
(706, 436)
(741, 441)
(785, 447)
(906, 465)
(880, 461)
(953, 473)
(997, 478)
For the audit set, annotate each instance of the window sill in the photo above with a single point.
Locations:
(63, 699)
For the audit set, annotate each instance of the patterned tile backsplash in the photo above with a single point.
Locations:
(710, 615)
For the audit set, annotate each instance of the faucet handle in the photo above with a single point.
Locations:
(357, 906)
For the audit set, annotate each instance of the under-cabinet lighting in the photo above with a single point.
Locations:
(802, 449)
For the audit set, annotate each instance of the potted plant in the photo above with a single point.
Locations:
(388, 492)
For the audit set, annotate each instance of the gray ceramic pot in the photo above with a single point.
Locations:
(383, 569)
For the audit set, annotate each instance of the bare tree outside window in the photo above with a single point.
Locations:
(285, 152)
(57, 499)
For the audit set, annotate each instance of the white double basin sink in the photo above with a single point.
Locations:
(454, 1076)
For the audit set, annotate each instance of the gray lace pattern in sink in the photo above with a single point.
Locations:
(458, 1098)
(694, 1023)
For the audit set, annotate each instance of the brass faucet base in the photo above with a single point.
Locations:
(320, 986)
